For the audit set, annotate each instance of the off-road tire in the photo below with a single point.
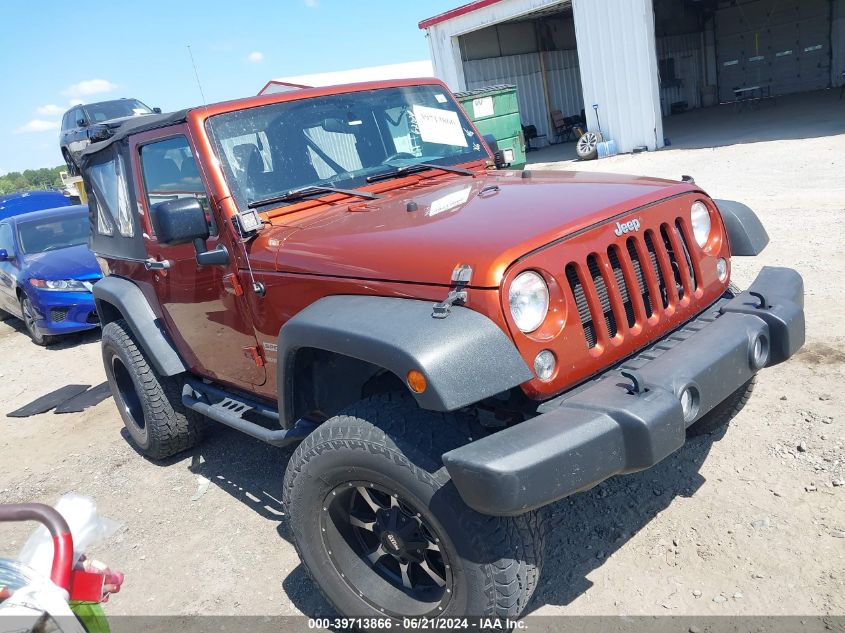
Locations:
(29, 318)
(156, 420)
(388, 439)
(723, 412)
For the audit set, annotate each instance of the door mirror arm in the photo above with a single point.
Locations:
(217, 257)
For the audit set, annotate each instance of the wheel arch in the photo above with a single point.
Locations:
(465, 357)
(118, 298)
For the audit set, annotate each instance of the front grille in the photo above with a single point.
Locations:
(58, 315)
(615, 289)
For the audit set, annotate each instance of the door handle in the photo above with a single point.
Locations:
(154, 264)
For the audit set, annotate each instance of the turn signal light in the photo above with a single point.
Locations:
(416, 381)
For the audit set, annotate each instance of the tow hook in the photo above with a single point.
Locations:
(461, 276)
(637, 383)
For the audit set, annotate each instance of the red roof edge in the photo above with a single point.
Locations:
(458, 11)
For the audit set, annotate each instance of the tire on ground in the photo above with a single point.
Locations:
(587, 145)
(155, 418)
(29, 317)
(390, 441)
(723, 412)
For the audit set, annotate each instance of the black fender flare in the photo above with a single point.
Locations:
(465, 357)
(746, 234)
(134, 308)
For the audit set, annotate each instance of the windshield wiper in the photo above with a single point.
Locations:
(409, 169)
(311, 190)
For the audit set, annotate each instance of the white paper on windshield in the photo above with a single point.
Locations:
(449, 201)
(441, 98)
(439, 126)
(482, 107)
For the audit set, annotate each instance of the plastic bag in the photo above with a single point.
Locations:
(87, 527)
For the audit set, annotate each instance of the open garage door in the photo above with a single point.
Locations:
(780, 44)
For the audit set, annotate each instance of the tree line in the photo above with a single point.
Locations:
(31, 179)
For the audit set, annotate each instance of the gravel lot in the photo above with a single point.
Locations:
(752, 522)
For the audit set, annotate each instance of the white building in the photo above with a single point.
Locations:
(406, 70)
(637, 60)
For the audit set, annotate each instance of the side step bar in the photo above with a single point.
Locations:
(229, 409)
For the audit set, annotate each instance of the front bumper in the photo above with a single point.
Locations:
(602, 428)
(64, 312)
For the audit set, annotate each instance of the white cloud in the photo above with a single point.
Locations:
(51, 109)
(255, 57)
(75, 102)
(89, 87)
(38, 125)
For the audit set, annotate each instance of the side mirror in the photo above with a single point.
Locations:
(4, 255)
(81, 123)
(101, 133)
(491, 142)
(157, 110)
(501, 157)
(180, 221)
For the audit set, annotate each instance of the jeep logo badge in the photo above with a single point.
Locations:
(627, 227)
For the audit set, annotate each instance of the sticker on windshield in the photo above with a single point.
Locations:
(439, 126)
(441, 98)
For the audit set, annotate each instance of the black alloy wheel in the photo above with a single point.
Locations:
(363, 522)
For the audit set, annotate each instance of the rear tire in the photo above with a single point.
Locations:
(150, 404)
(381, 459)
(725, 411)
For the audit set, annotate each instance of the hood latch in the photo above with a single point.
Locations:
(461, 277)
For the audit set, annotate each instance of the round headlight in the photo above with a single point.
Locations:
(700, 218)
(529, 300)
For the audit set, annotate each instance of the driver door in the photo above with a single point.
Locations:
(208, 318)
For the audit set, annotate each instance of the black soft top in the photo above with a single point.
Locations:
(135, 125)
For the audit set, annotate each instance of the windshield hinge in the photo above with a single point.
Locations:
(461, 277)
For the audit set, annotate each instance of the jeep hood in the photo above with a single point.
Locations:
(420, 234)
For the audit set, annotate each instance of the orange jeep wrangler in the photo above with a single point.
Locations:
(452, 344)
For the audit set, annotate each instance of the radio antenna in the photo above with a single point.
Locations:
(197, 75)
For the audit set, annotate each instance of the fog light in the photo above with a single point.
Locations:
(722, 269)
(544, 365)
(760, 352)
(689, 403)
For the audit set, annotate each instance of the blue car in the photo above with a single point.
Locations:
(47, 271)
(27, 201)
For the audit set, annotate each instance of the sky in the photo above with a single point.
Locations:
(123, 49)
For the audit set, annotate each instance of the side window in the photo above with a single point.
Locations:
(75, 115)
(6, 238)
(113, 208)
(170, 172)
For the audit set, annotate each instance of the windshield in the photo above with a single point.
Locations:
(339, 140)
(108, 110)
(40, 236)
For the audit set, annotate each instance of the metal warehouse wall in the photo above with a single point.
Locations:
(689, 70)
(617, 53)
(524, 71)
